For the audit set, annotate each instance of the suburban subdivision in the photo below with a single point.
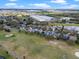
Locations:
(39, 34)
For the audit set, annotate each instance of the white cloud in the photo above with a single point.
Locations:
(10, 4)
(13, 5)
(19, 6)
(59, 1)
(41, 6)
(74, 6)
(12, 0)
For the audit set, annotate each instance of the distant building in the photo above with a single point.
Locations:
(42, 18)
(68, 19)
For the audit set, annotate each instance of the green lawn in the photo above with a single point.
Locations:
(3, 53)
(37, 47)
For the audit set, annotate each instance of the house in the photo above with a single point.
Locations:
(74, 20)
(42, 18)
(66, 19)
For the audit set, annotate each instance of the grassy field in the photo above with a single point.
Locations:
(2, 50)
(3, 53)
(36, 47)
(60, 24)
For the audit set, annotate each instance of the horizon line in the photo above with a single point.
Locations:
(39, 9)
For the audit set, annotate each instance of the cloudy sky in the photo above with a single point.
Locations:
(40, 4)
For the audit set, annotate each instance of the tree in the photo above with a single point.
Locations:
(64, 21)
